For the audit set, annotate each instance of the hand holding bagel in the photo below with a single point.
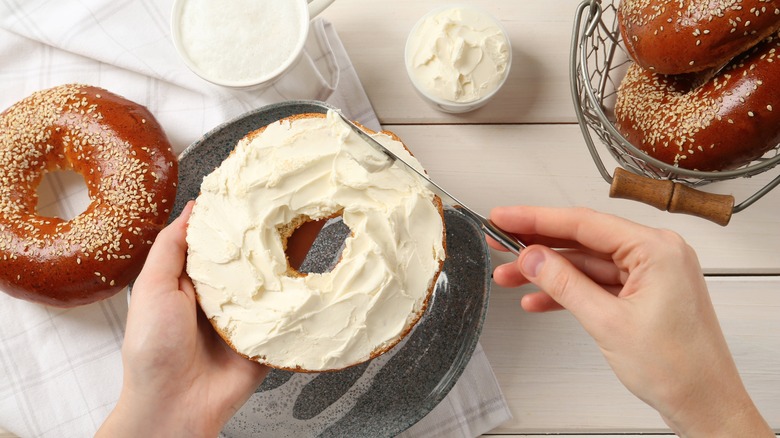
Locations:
(180, 378)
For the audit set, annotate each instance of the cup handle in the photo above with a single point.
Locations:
(307, 78)
(317, 6)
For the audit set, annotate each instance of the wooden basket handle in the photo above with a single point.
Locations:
(671, 196)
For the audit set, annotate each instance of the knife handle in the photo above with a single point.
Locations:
(508, 241)
(670, 196)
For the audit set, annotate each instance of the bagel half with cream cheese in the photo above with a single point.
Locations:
(311, 167)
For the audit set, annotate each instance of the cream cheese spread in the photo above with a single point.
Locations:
(458, 54)
(368, 301)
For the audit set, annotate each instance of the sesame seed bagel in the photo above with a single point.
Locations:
(303, 168)
(674, 37)
(723, 123)
(130, 173)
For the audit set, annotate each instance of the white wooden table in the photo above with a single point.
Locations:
(525, 147)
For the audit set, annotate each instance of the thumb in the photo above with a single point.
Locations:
(165, 262)
(566, 284)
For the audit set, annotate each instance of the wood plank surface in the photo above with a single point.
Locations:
(556, 380)
(488, 165)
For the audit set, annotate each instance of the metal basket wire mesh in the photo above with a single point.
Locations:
(597, 65)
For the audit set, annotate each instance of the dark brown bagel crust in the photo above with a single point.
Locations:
(724, 123)
(130, 172)
(673, 37)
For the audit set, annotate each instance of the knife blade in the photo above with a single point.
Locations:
(507, 240)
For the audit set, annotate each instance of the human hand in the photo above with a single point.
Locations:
(180, 378)
(640, 293)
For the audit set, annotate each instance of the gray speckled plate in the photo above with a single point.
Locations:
(387, 395)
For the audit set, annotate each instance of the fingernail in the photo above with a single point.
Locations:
(188, 206)
(532, 263)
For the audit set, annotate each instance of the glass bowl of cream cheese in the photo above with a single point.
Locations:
(458, 57)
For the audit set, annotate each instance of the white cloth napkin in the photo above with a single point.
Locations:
(60, 369)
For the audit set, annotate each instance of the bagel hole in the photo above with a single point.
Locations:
(61, 193)
(315, 246)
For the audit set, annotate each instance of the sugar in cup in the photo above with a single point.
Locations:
(242, 43)
(458, 57)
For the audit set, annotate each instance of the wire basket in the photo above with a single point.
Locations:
(597, 65)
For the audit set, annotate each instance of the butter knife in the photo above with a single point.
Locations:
(507, 240)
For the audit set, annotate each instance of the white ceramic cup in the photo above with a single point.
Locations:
(245, 43)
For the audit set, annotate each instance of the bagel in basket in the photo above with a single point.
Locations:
(709, 124)
(674, 37)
